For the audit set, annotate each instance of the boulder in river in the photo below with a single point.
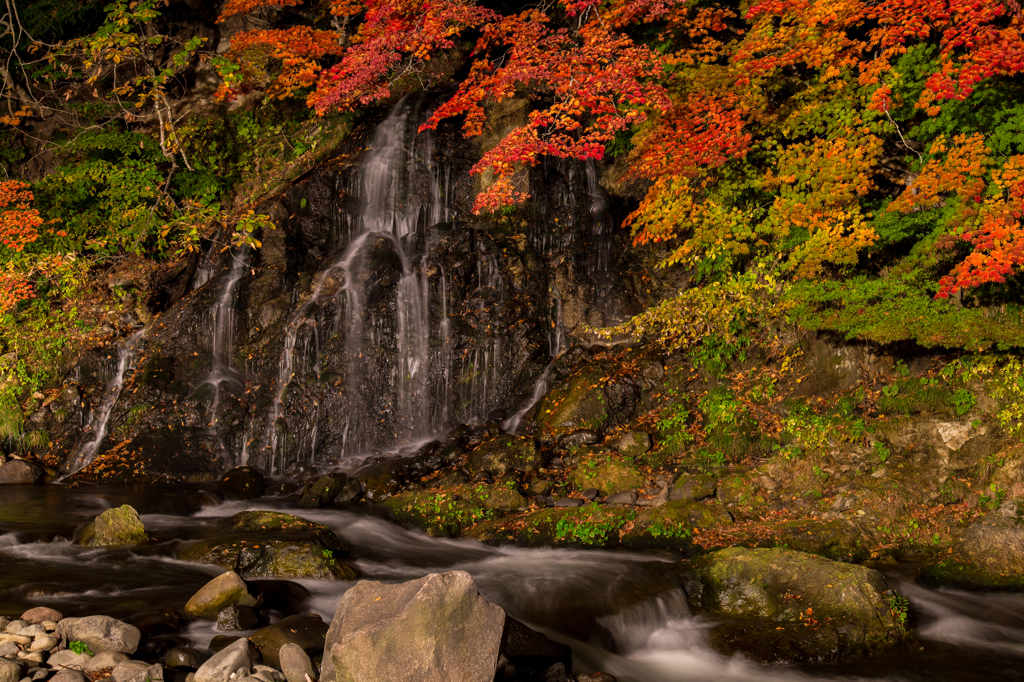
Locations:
(305, 631)
(20, 472)
(781, 606)
(266, 544)
(242, 483)
(118, 526)
(434, 629)
(225, 590)
(41, 614)
(100, 633)
(330, 489)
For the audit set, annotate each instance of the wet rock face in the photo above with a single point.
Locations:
(989, 556)
(435, 316)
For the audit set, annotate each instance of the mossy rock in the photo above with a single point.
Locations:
(757, 591)
(118, 526)
(438, 514)
(694, 487)
(671, 526)
(578, 403)
(501, 454)
(609, 473)
(839, 539)
(735, 488)
(499, 496)
(968, 576)
(266, 544)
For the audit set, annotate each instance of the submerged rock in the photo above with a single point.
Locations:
(781, 606)
(434, 629)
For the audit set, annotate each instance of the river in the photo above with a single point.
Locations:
(616, 609)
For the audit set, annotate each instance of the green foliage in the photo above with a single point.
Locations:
(591, 525)
(897, 308)
(79, 647)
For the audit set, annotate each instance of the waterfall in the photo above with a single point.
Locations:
(393, 208)
(539, 389)
(86, 450)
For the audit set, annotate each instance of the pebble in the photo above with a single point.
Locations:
(15, 626)
(32, 630)
(49, 625)
(4, 622)
(591, 494)
(68, 658)
(9, 649)
(569, 502)
(274, 674)
(105, 659)
(33, 657)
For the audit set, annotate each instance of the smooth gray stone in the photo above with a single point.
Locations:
(9, 671)
(295, 664)
(105, 659)
(68, 676)
(223, 664)
(625, 497)
(101, 633)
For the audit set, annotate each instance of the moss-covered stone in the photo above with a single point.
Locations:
(607, 472)
(579, 403)
(118, 526)
(504, 453)
(266, 544)
(671, 526)
(694, 487)
(968, 576)
(499, 496)
(591, 526)
(758, 591)
(440, 514)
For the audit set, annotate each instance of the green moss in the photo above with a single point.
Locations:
(968, 576)
(607, 472)
(440, 514)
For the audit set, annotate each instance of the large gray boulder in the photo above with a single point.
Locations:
(227, 589)
(434, 629)
(100, 633)
(238, 654)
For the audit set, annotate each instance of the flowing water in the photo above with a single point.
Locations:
(96, 430)
(619, 611)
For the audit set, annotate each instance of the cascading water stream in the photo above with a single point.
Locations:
(511, 424)
(393, 210)
(86, 450)
(223, 335)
